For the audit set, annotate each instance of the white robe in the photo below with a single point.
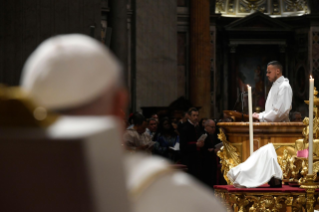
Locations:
(278, 102)
(257, 170)
(153, 188)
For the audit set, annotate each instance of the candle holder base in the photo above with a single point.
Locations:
(310, 186)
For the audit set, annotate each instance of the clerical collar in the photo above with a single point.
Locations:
(280, 79)
(191, 122)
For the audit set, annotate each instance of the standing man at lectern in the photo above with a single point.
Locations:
(279, 98)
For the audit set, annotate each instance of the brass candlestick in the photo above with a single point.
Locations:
(310, 186)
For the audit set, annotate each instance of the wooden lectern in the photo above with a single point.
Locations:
(278, 133)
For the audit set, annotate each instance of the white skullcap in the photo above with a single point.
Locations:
(69, 71)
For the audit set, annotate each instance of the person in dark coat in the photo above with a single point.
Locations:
(189, 144)
(208, 155)
(182, 121)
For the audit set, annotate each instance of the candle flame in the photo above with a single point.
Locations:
(310, 77)
(248, 85)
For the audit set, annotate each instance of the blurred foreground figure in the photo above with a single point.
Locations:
(64, 168)
(75, 75)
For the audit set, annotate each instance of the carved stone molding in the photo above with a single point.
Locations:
(241, 8)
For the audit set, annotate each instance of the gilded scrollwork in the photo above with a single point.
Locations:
(298, 203)
(294, 5)
(220, 6)
(295, 169)
(255, 203)
(265, 203)
(229, 156)
(285, 164)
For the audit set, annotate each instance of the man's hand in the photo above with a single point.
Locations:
(200, 144)
(256, 115)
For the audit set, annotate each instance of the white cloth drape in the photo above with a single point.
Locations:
(257, 170)
(278, 102)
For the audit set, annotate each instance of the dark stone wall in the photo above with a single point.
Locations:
(314, 6)
(155, 52)
(25, 24)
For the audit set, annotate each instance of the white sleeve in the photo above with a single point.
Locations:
(261, 116)
(177, 192)
(280, 107)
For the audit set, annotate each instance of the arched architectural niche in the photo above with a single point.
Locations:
(274, 8)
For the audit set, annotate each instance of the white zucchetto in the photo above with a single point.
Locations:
(68, 71)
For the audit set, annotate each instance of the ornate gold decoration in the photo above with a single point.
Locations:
(238, 201)
(231, 6)
(276, 8)
(262, 202)
(298, 203)
(18, 110)
(295, 5)
(228, 154)
(310, 186)
(220, 6)
(295, 169)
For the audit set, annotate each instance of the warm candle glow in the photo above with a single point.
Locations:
(310, 77)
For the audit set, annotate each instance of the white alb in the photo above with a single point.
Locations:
(278, 104)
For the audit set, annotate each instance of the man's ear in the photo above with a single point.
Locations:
(278, 71)
(120, 103)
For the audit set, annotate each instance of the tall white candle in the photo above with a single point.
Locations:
(251, 135)
(310, 157)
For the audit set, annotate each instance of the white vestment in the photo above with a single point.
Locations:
(154, 187)
(257, 170)
(278, 102)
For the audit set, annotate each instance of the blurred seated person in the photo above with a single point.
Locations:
(136, 138)
(296, 117)
(152, 127)
(202, 124)
(130, 121)
(166, 138)
(154, 116)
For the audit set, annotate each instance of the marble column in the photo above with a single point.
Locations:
(118, 23)
(200, 56)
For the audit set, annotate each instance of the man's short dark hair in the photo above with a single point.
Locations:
(276, 64)
(293, 115)
(191, 110)
(138, 119)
